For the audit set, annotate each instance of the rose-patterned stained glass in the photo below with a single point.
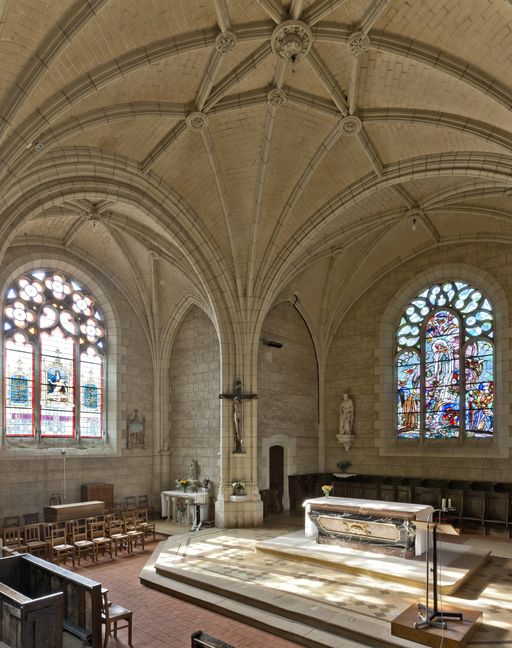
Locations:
(445, 325)
(50, 307)
(19, 387)
(57, 384)
(91, 369)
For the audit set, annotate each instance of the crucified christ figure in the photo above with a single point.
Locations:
(238, 398)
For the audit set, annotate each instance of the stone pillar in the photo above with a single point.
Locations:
(246, 512)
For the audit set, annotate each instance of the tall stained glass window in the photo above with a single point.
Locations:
(445, 365)
(54, 344)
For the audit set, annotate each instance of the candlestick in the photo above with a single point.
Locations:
(443, 503)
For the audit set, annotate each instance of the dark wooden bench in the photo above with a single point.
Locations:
(27, 622)
(202, 640)
(33, 578)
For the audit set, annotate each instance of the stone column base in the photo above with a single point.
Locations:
(238, 514)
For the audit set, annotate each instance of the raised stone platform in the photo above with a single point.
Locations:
(313, 604)
(457, 561)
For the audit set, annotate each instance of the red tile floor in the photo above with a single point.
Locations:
(162, 621)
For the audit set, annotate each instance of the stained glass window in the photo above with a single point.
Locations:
(54, 341)
(445, 327)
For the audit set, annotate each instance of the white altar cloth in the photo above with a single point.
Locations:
(168, 500)
(421, 512)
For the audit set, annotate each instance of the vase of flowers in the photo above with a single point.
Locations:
(183, 483)
(238, 487)
(326, 490)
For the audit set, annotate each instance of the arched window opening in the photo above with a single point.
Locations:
(445, 365)
(54, 358)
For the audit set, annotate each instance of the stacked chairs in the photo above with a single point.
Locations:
(132, 528)
(96, 533)
(13, 540)
(32, 539)
(115, 531)
(83, 546)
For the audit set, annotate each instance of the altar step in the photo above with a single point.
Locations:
(458, 562)
(305, 621)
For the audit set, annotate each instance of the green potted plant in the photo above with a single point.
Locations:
(343, 465)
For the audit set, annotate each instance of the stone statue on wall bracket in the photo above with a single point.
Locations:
(346, 422)
(135, 431)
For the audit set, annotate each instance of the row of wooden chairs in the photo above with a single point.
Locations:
(81, 538)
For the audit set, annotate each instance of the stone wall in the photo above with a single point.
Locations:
(29, 476)
(361, 364)
(194, 398)
(287, 394)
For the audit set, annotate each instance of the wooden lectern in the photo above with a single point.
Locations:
(432, 616)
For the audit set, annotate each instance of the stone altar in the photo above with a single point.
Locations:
(385, 527)
(171, 498)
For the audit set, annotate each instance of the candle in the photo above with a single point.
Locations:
(449, 503)
(443, 503)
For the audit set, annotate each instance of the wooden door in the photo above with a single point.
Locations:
(276, 474)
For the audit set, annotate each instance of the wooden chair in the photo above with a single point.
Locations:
(32, 538)
(129, 503)
(83, 546)
(98, 535)
(111, 615)
(115, 530)
(30, 518)
(144, 525)
(13, 540)
(144, 504)
(59, 544)
(133, 531)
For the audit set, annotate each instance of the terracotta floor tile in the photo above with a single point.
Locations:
(162, 621)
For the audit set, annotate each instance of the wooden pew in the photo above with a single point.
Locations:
(35, 578)
(27, 622)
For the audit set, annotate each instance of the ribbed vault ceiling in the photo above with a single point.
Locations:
(252, 154)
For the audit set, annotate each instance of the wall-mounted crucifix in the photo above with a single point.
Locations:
(238, 399)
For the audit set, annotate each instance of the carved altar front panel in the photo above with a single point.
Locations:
(385, 527)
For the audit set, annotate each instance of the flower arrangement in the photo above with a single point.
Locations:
(183, 483)
(326, 489)
(238, 485)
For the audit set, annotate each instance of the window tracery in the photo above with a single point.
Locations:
(54, 350)
(445, 365)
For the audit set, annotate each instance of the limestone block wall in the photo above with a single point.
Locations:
(28, 476)
(287, 394)
(360, 364)
(194, 398)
